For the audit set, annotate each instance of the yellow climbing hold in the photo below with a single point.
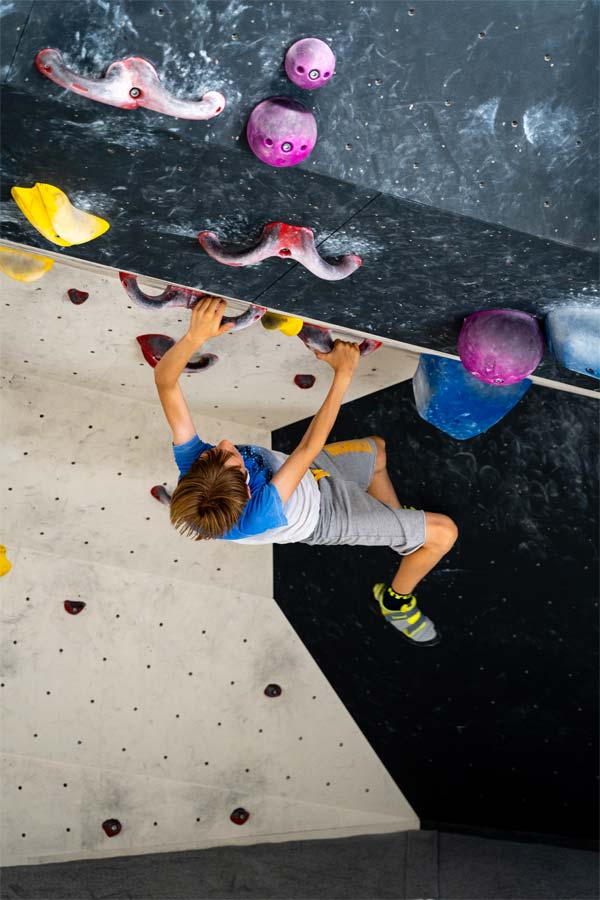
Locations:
(50, 211)
(23, 266)
(289, 325)
(5, 566)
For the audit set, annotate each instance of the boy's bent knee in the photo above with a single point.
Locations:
(380, 461)
(441, 531)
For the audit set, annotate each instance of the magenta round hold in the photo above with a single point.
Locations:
(500, 346)
(281, 131)
(309, 63)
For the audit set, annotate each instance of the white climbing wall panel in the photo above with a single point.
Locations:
(148, 706)
(94, 346)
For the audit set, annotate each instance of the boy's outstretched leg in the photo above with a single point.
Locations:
(440, 536)
(440, 530)
(397, 602)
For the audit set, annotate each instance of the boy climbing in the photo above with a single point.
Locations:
(320, 494)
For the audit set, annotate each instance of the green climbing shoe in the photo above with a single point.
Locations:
(414, 627)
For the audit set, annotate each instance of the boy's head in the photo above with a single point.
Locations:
(210, 497)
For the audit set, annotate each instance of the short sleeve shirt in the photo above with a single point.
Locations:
(264, 519)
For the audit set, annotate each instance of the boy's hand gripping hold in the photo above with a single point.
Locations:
(343, 359)
(205, 321)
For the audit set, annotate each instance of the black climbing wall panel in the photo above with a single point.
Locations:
(496, 727)
(484, 109)
(158, 191)
(13, 18)
(425, 269)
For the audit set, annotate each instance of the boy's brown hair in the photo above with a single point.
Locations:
(209, 498)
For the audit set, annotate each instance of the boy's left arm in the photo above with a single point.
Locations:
(343, 359)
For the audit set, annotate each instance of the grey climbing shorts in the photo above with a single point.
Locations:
(349, 515)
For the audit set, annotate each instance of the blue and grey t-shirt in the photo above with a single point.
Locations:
(264, 520)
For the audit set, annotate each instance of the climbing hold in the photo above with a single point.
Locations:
(161, 494)
(573, 334)
(5, 565)
(449, 398)
(281, 131)
(293, 242)
(304, 381)
(22, 266)
(111, 827)
(319, 339)
(73, 607)
(77, 297)
(239, 816)
(289, 325)
(500, 346)
(309, 63)
(273, 690)
(186, 297)
(154, 347)
(50, 211)
(128, 83)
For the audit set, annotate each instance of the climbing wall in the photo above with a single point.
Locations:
(135, 662)
(487, 113)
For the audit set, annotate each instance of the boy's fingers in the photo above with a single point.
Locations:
(219, 306)
(202, 305)
(207, 302)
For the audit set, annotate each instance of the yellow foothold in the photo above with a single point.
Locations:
(23, 266)
(51, 212)
(5, 565)
(289, 325)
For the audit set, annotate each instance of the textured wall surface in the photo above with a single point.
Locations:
(484, 109)
(423, 271)
(497, 726)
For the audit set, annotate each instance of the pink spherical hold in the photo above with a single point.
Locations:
(500, 346)
(281, 131)
(309, 63)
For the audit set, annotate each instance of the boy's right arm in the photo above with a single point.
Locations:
(205, 323)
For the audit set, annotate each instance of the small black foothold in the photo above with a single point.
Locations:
(304, 381)
(76, 296)
(239, 816)
(273, 690)
(73, 606)
(111, 827)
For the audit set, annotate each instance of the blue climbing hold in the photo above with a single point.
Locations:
(573, 334)
(448, 397)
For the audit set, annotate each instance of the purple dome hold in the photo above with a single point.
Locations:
(500, 346)
(310, 63)
(281, 131)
